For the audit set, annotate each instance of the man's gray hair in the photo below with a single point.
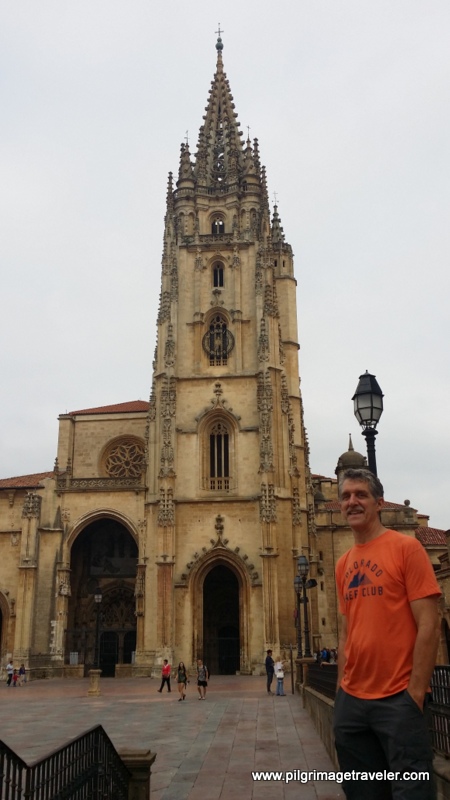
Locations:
(375, 485)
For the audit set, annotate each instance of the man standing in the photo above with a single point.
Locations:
(270, 667)
(165, 676)
(387, 650)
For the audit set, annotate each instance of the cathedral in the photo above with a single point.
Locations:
(171, 529)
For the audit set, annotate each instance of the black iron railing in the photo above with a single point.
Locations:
(440, 710)
(322, 678)
(87, 768)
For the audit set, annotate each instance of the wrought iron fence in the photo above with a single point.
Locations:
(323, 679)
(88, 768)
(440, 710)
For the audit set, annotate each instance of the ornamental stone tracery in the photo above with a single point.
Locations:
(125, 459)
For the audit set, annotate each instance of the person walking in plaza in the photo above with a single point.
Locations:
(9, 672)
(15, 678)
(279, 674)
(202, 678)
(165, 676)
(269, 670)
(22, 675)
(182, 678)
(388, 597)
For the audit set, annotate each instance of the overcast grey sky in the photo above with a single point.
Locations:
(350, 102)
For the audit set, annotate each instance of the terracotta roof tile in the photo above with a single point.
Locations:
(118, 408)
(431, 536)
(25, 481)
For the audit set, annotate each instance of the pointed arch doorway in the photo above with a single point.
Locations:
(221, 621)
(104, 555)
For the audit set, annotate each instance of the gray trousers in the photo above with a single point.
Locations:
(388, 734)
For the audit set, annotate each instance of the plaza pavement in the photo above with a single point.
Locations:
(205, 750)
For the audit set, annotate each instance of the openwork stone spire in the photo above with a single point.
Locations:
(220, 154)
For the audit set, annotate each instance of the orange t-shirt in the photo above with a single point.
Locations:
(376, 583)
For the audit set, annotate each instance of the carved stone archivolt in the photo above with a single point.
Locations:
(218, 545)
(218, 402)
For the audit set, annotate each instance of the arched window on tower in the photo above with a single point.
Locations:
(218, 227)
(218, 341)
(218, 275)
(219, 458)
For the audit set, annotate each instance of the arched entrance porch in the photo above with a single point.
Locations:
(103, 556)
(221, 596)
(221, 638)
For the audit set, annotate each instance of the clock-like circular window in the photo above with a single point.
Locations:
(125, 458)
(218, 341)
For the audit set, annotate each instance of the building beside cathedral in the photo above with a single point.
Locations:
(189, 512)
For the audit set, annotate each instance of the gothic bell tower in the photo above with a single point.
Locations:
(228, 477)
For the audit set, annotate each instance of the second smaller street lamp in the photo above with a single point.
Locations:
(298, 621)
(303, 569)
(368, 408)
(98, 597)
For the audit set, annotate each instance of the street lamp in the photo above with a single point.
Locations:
(368, 408)
(298, 622)
(98, 597)
(303, 569)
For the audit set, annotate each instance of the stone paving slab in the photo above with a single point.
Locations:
(206, 750)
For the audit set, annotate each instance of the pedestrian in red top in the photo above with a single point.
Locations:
(165, 676)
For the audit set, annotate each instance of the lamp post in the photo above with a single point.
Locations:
(303, 569)
(98, 597)
(368, 408)
(298, 622)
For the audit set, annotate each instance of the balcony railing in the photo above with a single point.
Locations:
(88, 768)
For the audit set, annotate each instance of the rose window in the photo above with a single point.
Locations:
(125, 459)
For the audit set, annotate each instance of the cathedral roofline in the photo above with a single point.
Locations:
(25, 481)
(119, 408)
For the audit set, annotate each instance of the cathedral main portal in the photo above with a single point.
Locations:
(221, 624)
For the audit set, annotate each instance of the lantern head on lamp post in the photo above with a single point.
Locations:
(368, 408)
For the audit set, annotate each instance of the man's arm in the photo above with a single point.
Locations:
(341, 648)
(426, 615)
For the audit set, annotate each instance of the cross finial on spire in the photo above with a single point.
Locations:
(187, 137)
(219, 44)
(248, 132)
(275, 198)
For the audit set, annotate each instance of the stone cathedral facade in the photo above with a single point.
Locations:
(187, 514)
